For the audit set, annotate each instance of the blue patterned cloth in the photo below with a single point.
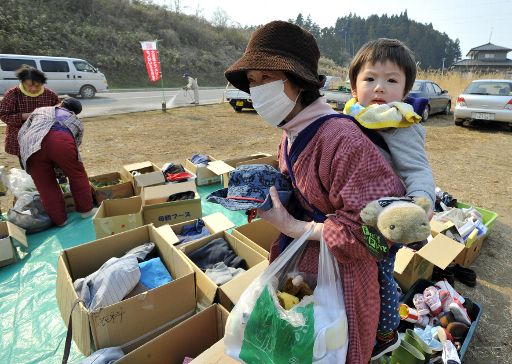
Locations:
(389, 318)
(249, 186)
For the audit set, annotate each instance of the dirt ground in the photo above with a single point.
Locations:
(473, 164)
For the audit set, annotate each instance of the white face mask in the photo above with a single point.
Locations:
(271, 103)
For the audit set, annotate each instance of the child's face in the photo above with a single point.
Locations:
(379, 83)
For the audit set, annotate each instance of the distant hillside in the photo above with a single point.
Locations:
(107, 34)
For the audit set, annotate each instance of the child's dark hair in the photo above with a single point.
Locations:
(30, 73)
(382, 50)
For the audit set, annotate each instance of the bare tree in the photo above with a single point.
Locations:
(220, 18)
(177, 6)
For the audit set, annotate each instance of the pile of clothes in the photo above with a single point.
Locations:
(219, 262)
(137, 271)
(176, 173)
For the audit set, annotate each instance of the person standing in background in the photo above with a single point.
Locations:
(192, 85)
(20, 101)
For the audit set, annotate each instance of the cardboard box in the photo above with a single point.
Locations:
(156, 210)
(203, 175)
(190, 338)
(8, 232)
(215, 223)
(135, 318)
(121, 190)
(151, 175)
(472, 248)
(228, 293)
(215, 355)
(411, 265)
(259, 235)
(118, 215)
(222, 168)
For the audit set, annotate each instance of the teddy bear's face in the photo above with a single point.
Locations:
(404, 223)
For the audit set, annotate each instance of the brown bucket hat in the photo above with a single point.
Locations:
(278, 46)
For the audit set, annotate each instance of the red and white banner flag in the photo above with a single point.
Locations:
(151, 58)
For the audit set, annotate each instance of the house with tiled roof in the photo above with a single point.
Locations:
(488, 58)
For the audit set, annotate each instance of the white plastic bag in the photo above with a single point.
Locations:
(329, 343)
(19, 181)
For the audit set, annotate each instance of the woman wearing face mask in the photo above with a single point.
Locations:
(337, 172)
(20, 101)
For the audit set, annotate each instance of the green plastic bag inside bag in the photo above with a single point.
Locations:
(269, 339)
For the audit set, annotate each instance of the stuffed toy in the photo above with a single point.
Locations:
(297, 287)
(400, 220)
(286, 300)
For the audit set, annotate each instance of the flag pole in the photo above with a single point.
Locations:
(164, 104)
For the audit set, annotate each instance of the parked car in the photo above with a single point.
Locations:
(487, 100)
(336, 92)
(438, 99)
(239, 100)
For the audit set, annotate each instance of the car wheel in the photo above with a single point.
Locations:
(238, 109)
(448, 108)
(426, 112)
(87, 92)
(459, 122)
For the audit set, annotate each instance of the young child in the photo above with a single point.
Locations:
(381, 75)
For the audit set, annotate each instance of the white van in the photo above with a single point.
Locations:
(71, 76)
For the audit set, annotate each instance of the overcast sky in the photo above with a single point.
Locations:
(472, 21)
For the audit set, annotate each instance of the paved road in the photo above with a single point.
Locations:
(122, 102)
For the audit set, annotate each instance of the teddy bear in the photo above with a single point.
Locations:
(400, 220)
(297, 287)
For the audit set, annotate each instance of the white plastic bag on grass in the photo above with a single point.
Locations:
(259, 330)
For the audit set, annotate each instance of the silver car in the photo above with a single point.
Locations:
(487, 100)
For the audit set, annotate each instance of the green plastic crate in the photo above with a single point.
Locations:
(488, 215)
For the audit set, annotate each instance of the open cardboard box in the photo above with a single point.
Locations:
(215, 223)
(192, 338)
(151, 175)
(411, 265)
(134, 319)
(228, 293)
(473, 247)
(223, 167)
(203, 175)
(120, 190)
(158, 211)
(8, 232)
(259, 235)
(118, 215)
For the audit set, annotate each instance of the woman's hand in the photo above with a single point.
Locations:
(286, 223)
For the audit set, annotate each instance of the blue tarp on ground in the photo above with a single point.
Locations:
(31, 328)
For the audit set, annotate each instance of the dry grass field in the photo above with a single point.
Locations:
(473, 164)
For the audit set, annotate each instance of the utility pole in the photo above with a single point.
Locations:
(442, 69)
(164, 104)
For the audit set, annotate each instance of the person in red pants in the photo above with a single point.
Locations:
(50, 138)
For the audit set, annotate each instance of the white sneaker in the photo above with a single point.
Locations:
(459, 312)
(85, 215)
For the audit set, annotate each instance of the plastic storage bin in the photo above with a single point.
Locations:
(474, 314)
